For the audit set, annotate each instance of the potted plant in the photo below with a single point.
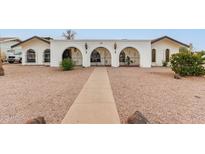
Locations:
(128, 60)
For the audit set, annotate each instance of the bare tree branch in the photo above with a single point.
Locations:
(69, 35)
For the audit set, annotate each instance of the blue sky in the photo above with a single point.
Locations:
(195, 36)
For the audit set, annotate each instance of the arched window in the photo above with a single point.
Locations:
(47, 56)
(153, 55)
(122, 56)
(167, 54)
(95, 56)
(31, 56)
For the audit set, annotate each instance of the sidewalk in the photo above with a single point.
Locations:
(95, 103)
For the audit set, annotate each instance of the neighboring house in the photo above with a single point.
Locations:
(5, 46)
(143, 53)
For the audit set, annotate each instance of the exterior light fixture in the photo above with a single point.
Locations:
(86, 46)
(115, 46)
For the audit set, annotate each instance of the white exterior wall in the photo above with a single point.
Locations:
(59, 46)
(161, 47)
(39, 47)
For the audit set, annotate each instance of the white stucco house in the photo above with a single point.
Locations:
(5, 46)
(115, 53)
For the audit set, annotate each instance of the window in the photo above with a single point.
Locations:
(47, 55)
(31, 56)
(167, 54)
(122, 56)
(153, 55)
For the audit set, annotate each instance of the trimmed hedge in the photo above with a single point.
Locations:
(67, 64)
(187, 64)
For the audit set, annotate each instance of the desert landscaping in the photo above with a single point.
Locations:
(30, 91)
(157, 95)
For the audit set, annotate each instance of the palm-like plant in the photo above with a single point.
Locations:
(128, 60)
(69, 35)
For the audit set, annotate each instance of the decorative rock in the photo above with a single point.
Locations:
(197, 97)
(177, 76)
(38, 120)
(137, 118)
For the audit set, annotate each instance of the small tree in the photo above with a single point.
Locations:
(67, 64)
(187, 64)
(128, 60)
(69, 35)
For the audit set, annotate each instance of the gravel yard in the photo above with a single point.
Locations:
(160, 97)
(30, 91)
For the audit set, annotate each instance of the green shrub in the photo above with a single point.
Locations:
(201, 53)
(164, 63)
(67, 64)
(187, 64)
(184, 50)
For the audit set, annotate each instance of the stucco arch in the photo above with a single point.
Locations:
(74, 58)
(101, 46)
(64, 48)
(136, 55)
(105, 57)
(107, 48)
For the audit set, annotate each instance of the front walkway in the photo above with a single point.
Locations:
(95, 103)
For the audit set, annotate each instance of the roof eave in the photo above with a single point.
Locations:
(167, 37)
(15, 45)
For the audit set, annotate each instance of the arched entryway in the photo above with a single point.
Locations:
(129, 56)
(31, 56)
(74, 54)
(100, 57)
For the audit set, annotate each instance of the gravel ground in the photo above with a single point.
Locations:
(160, 97)
(30, 91)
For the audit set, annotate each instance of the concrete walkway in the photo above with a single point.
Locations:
(95, 103)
